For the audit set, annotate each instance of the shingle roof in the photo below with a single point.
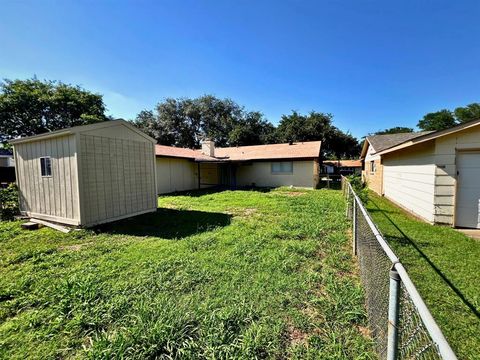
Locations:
(386, 141)
(344, 163)
(171, 151)
(310, 149)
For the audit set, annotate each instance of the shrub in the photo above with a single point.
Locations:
(9, 202)
(359, 187)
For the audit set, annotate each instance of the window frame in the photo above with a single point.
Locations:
(281, 171)
(373, 167)
(44, 160)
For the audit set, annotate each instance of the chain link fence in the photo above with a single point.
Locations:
(399, 321)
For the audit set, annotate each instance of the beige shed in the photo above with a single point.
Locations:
(86, 175)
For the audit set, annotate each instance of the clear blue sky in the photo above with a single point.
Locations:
(372, 64)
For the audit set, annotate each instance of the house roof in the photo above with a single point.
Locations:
(309, 149)
(427, 136)
(177, 152)
(301, 150)
(344, 163)
(78, 129)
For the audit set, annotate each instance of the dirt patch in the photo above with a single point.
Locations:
(364, 331)
(292, 193)
(296, 336)
(74, 247)
(242, 212)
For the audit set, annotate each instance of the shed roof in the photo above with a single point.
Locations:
(81, 128)
(300, 150)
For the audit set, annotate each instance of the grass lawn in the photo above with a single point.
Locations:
(232, 274)
(444, 265)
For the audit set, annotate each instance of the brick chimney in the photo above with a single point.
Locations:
(208, 147)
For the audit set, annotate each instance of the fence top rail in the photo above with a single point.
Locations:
(430, 324)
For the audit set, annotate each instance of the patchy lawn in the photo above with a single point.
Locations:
(444, 265)
(233, 274)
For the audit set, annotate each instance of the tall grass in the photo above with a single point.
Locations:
(233, 274)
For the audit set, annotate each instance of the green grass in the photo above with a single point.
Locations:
(444, 265)
(232, 274)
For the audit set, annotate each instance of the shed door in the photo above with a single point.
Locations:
(467, 213)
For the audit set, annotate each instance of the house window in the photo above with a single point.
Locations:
(282, 167)
(373, 166)
(46, 166)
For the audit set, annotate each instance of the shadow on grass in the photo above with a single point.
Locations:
(167, 223)
(405, 239)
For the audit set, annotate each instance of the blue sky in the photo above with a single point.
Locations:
(372, 64)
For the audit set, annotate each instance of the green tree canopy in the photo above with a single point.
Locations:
(439, 120)
(468, 113)
(30, 107)
(318, 126)
(184, 122)
(394, 130)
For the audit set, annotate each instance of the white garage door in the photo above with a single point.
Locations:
(468, 190)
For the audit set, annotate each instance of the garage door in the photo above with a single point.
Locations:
(467, 213)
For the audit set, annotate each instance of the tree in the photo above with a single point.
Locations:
(318, 126)
(439, 120)
(253, 129)
(30, 107)
(185, 122)
(395, 130)
(468, 113)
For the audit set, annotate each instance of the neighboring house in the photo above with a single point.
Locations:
(86, 175)
(7, 167)
(372, 172)
(295, 164)
(435, 175)
(342, 167)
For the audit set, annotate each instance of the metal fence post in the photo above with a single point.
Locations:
(393, 314)
(354, 226)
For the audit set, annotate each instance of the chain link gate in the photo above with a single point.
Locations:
(399, 321)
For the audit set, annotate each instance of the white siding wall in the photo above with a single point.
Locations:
(409, 180)
(446, 149)
(53, 198)
(117, 177)
(175, 175)
(260, 173)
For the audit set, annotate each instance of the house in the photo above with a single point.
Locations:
(295, 164)
(342, 167)
(433, 175)
(7, 167)
(372, 172)
(86, 175)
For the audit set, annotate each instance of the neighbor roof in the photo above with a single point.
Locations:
(300, 150)
(344, 163)
(431, 135)
(386, 141)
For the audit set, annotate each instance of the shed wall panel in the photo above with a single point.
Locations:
(52, 196)
(118, 177)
